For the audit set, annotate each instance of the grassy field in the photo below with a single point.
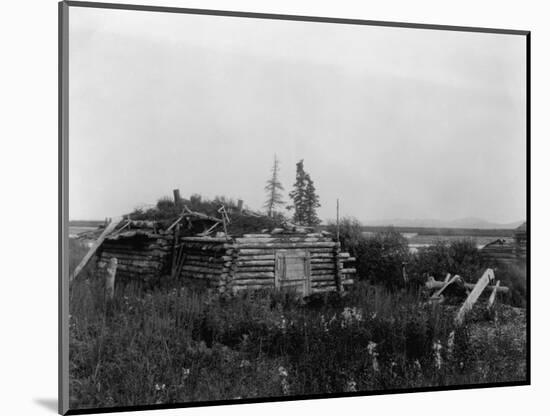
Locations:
(181, 344)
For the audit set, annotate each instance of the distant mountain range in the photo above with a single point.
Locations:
(459, 223)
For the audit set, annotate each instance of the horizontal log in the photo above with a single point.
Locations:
(322, 260)
(324, 283)
(200, 276)
(205, 240)
(132, 252)
(252, 263)
(323, 272)
(282, 246)
(283, 240)
(350, 270)
(129, 258)
(327, 251)
(244, 257)
(254, 275)
(263, 282)
(201, 269)
(268, 235)
(249, 287)
(326, 289)
(254, 269)
(434, 284)
(134, 263)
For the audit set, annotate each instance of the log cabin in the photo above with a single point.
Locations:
(294, 260)
(297, 261)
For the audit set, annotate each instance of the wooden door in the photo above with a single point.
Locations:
(293, 271)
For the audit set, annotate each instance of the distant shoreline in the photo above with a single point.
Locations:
(466, 232)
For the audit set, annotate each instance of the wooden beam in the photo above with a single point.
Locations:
(474, 295)
(493, 296)
(447, 282)
(108, 230)
(110, 278)
(434, 284)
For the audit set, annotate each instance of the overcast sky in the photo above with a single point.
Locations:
(397, 123)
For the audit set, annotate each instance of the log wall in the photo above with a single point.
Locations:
(207, 259)
(246, 262)
(141, 259)
(255, 261)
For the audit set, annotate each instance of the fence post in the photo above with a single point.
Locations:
(110, 278)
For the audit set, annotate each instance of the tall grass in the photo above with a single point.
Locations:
(186, 345)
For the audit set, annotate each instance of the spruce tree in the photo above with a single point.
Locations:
(273, 189)
(298, 195)
(311, 203)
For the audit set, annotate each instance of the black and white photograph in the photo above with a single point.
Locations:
(270, 208)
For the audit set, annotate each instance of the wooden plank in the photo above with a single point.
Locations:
(493, 296)
(447, 282)
(434, 284)
(481, 284)
(108, 230)
(110, 278)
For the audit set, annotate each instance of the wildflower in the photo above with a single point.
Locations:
(244, 364)
(324, 324)
(283, 372)
(417, 365)
(185, 372)
(393, 364)
(350, 315)
(351, 386)
(437, 354)
(371, 348)
(285, 386)
(375, 366)
(451, 342)
(283, 324)
(159, 387)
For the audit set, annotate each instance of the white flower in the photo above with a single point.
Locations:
(159, 387)
(375, 366)
(351, 386)
(451, 342)
(371, 348)
(185, 372)
(285, 387)
(282, 372)
(350, 315)
(437, 354)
